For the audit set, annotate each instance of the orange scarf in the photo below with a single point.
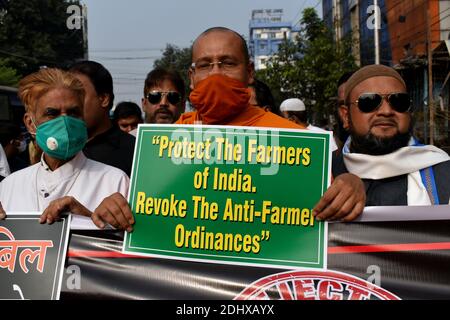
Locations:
(222, 100)
(219, 98)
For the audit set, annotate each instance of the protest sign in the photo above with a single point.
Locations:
(32, 256)
(229, 194)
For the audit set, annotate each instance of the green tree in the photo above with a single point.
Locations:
(34, 33)
(8, 76)
(281, 73)
(176, 59)
(310, 67)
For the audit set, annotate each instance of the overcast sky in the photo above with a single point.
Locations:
(127, 36)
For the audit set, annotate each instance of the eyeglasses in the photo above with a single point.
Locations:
(369, 102)
(226, 65)
(155, 97)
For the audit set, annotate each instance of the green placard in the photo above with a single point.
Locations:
(236, 195)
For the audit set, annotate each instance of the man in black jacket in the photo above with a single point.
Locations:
(107, 143)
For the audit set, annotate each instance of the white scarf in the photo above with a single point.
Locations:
(407, 160)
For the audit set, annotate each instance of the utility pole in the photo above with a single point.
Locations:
(376, 31)
(430, 74)
(337, 21)
(84, 21)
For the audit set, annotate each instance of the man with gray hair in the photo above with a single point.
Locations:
(395, 168)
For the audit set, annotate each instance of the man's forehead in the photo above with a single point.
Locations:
(62, 107)
(59, 98)
(216, 43)
(65, 105)
(379, 84)
(129, 119)
(160, 84)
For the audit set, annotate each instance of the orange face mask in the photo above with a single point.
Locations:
(219, 98)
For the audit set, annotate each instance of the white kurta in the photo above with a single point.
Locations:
(4, 166)
(88, 181)
(318, 129)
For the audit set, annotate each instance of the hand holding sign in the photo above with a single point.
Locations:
(115, 211)
(344, 199)
(62, 205)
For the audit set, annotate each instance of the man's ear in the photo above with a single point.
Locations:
(191, 78)
(145, 106)
(104, 100)
(29, 123)
(344, 115)
(251, 72)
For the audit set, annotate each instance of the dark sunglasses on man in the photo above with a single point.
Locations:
(155, 97)
(369, 102)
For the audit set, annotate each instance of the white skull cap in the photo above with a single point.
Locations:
(292, 104)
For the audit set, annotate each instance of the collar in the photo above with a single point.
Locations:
(67, 170)
(405, 160)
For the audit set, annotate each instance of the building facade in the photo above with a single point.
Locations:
(267, 31)
(407, 28)
(355, 19)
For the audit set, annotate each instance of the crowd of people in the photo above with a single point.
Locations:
(79, 159)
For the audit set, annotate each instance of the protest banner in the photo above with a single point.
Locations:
(32, 256)
(233, 195)
(406, 256)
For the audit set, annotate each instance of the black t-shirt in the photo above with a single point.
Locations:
(113, 147)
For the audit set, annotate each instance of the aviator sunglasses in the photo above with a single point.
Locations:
(369, 102)
(155, 97)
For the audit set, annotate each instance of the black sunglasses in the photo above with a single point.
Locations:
(155, 97)
(369, 102)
